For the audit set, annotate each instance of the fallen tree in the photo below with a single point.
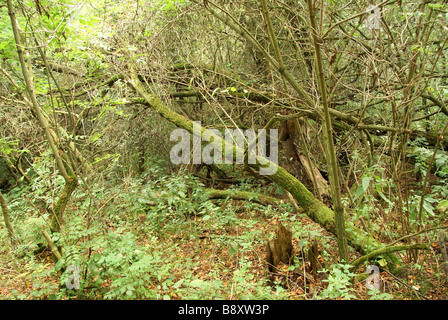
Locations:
(210, 194)
(314, 208)
(242, 195)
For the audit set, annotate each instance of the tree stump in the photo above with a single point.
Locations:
(281, 251)
(313, 253)
(442, 245)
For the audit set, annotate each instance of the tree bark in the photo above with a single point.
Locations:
(52, 246)
(328, 135)
(70, 185)
(62, 159)
(242, 195)
(8, 223)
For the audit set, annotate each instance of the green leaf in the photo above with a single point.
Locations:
(383, 196)
(178, 284)
(358, 193)
(144, 201)
(442, 206)
(92, 21)
(197, 283)
(428, 208)
(206, 217)
(232, 251)
(365, 183)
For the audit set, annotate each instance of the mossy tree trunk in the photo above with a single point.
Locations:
(57, 219)
(63, 161)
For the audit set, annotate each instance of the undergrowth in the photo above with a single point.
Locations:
(162, 239)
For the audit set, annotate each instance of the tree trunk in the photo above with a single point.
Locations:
(329, 145)
(242, 195)
(8, 223)
(70, 185)
(63, 162)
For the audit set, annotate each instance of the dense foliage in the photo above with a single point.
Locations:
(85, 168)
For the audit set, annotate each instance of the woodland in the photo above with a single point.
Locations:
(93, 207)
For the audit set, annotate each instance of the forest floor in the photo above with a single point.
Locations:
(222, 256)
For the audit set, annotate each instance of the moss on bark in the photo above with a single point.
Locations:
(70, 185)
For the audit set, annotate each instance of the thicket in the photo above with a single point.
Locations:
(92, 90)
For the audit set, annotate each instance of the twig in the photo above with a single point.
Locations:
(417, 233)
(405, 284)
